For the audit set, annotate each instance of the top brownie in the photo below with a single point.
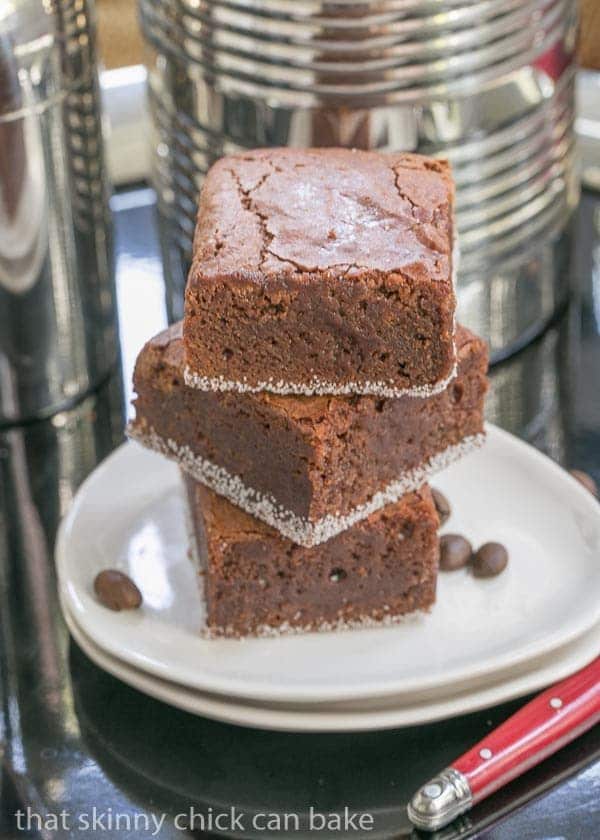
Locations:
(323, 271)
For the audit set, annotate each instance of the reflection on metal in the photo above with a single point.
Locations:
(588, 127)
(525, 393)
(487, 84)
(57, 312)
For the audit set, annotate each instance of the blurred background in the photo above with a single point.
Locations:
(492, 86)
(128, 104)
(489, 85)
(510, 92)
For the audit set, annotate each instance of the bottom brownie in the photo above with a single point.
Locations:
(258, 583)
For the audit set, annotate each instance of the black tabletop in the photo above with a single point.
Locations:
(78, 745)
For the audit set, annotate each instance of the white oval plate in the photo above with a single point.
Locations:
(371, 715)
(129, 515)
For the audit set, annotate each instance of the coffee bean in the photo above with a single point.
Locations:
(586, 480)
(442, 505)
(117, 591)
(455, 552)
(489, 560)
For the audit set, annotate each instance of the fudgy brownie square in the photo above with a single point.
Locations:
(308, 466)
(257, 582)
(323, 271)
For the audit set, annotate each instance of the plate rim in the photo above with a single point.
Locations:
(277, 692)
(264, 717)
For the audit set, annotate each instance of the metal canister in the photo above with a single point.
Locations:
(487, 84)
(58, 327)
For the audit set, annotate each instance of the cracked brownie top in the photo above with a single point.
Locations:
(335, 211)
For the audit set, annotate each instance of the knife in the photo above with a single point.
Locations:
(544, 725)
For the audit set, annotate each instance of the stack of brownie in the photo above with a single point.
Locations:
(315, 385)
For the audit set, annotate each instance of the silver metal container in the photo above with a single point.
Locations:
(58, 328)
(487, 84)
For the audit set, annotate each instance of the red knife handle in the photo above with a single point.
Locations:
(544, 725)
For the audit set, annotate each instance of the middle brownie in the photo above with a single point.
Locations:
(308, 466)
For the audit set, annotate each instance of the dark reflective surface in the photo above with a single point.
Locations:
(74, 737)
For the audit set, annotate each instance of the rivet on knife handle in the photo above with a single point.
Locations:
(544, 725)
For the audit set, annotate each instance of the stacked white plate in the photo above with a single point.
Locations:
(485, 641)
